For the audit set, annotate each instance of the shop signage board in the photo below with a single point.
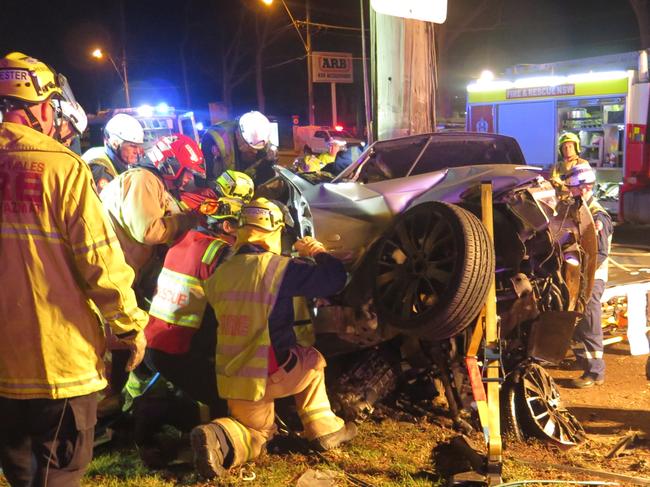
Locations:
(332, 67)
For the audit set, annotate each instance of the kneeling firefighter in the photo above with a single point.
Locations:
(258, 359)
(182, 333)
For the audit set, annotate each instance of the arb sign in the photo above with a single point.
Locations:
(332, 67)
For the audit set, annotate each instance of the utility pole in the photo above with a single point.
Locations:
(366, 87)
(124, 70)
(310, 82)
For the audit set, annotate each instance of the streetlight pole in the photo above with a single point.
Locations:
(125, 76)
(310, 81)
(126, 83)
(366, 87)
(307, 45)
(122, 73)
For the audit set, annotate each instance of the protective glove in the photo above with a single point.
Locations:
(137, 344)
(309, 247)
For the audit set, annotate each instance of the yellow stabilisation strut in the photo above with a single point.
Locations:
(487, 323)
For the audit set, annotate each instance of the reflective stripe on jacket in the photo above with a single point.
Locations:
(243, 291)
(58, 252)
(226, 147)
(596, 208)
(97, 156)
(179, 305)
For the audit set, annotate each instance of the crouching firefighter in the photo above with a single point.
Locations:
(182, 327)
(258, 359)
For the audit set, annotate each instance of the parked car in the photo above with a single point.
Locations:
(405, 220)
(315, 137)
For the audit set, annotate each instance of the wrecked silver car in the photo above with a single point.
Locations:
(405, 219)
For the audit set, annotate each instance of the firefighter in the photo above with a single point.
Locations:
(231, 184)
(178, 309)
(258, 359)
(182, 332)
(580, 180)
(123, 147)
(60, 253)
(242, 144)
(147, 217)
(235, 184)
(312, 163)
(569, 147)
(142, 203)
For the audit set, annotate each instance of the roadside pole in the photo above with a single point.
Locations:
(334, 115)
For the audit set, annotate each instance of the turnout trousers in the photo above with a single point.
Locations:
(47, 442)
(252, 423)
(589, 333)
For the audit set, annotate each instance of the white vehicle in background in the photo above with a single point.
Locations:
(315, 137)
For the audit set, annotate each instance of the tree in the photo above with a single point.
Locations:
(267, 31)
(484, 16)
(642, 12)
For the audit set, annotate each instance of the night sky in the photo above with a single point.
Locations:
(63, 33)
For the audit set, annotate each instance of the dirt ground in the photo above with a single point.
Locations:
(608, 413)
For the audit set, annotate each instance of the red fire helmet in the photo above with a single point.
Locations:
(173, 153)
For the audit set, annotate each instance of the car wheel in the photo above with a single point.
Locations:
(540, 411)
(510, 423)
(433, 270)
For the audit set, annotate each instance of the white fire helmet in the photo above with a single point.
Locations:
(579, 175)
(123, 128)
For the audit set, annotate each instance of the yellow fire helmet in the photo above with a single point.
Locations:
(28, 81)
(222, 209)
(569, 137)
(263, 214)
(236, 184)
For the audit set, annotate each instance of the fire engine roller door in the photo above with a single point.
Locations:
(533, 125)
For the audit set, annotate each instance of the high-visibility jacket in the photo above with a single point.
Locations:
(103, 164)
(179, 305)
(58, 253)
(225, 142)
(561, 168)
(597, 210)
(243, 291)
(145, 214)
(311, 163)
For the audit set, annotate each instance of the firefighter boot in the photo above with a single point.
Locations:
(332, 440)
(208, 453)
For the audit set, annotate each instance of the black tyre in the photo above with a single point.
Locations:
(433, 270)
(509, 415)
(540, 412)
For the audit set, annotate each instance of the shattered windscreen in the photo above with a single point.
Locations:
(422, 154)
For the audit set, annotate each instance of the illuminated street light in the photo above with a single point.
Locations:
(486, 75)
(99, 54)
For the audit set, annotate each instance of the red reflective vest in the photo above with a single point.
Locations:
(178, 306)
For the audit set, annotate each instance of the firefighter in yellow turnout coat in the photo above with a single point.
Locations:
(58, 252)
(258, 358)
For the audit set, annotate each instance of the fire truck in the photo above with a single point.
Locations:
(604, 100)
(157, 121)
